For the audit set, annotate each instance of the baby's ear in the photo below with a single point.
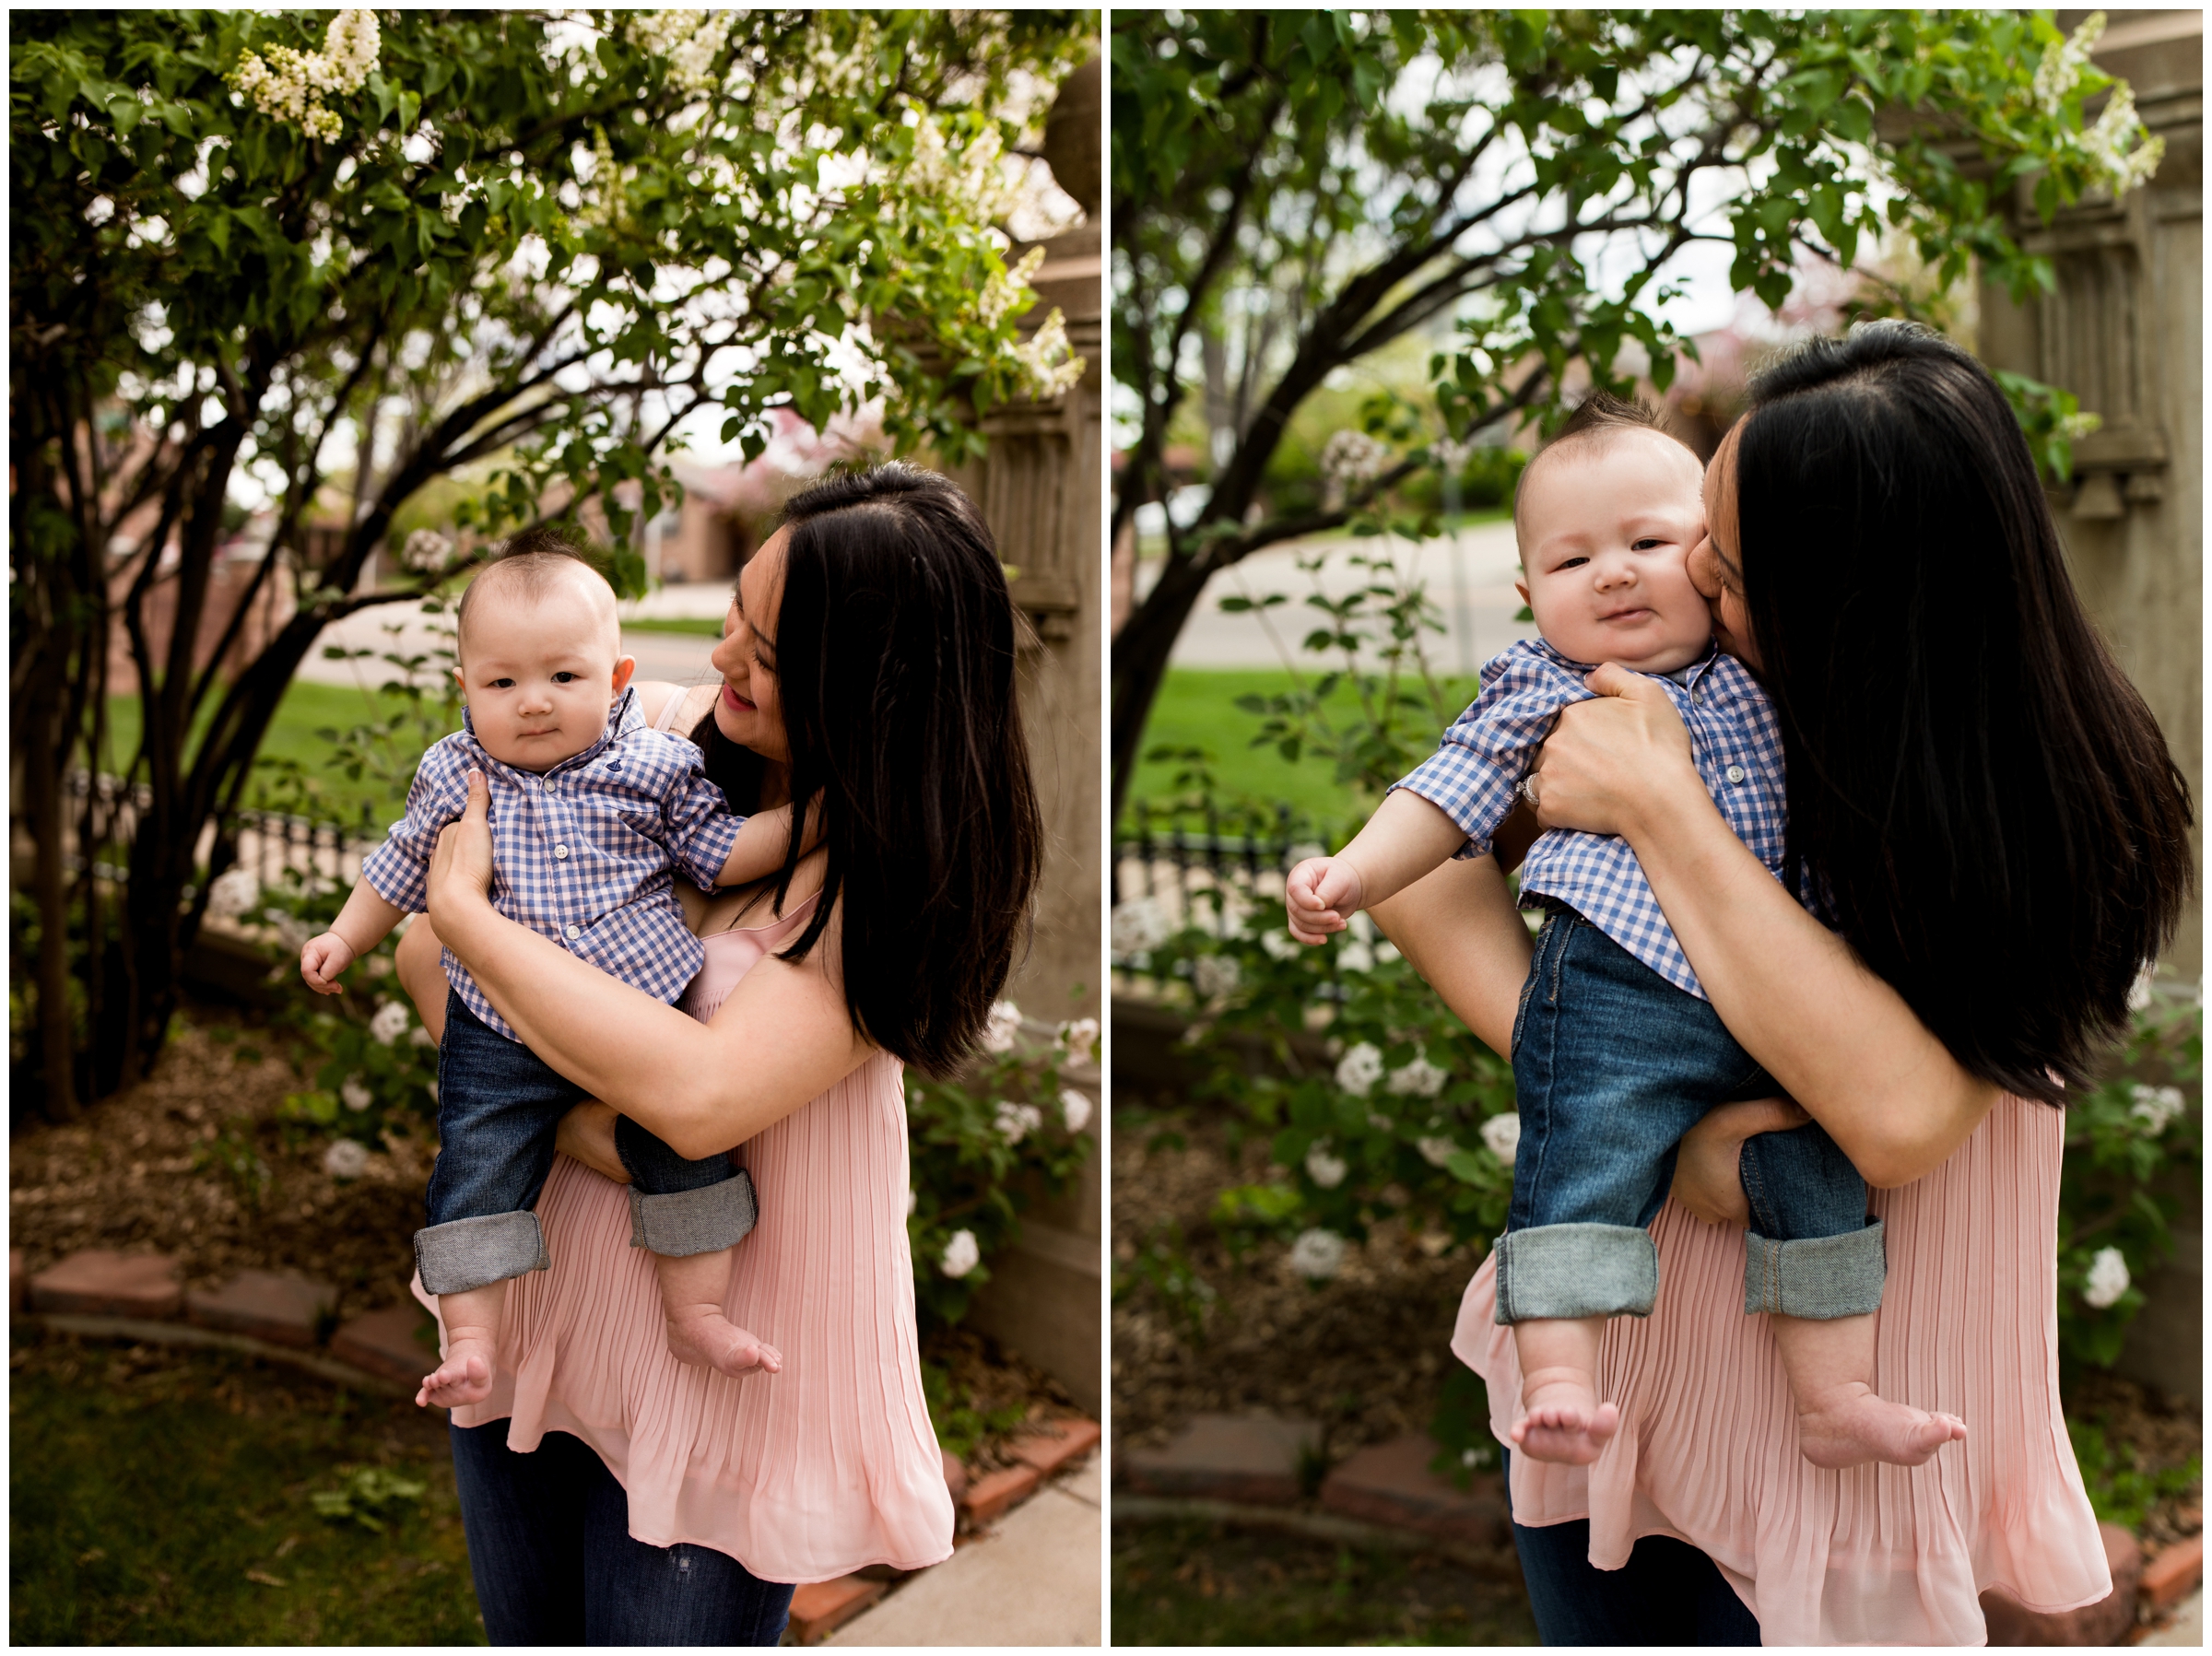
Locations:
(623, 669)
(1522, 587)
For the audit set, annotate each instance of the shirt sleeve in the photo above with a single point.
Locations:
(1485, 754)
(699, 826)
(399, 870)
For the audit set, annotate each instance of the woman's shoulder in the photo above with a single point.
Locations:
(672, 707)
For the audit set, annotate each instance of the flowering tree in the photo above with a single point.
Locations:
(260, 254)
(1293, 191)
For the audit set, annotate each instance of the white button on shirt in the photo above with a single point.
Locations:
(1735, 773)
(575, 930)
(562, 851)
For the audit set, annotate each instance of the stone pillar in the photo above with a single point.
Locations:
(2124, 333)
(1039, 485)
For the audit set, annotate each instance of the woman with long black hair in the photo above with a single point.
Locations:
(611, 1495)
(2002, 840)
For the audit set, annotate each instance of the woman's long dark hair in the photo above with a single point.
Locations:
(1973, 784)
(894, 655)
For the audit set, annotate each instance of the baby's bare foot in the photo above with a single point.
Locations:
(464, 1377)
(1851, 1424)
(1564, 1422)
(703, 1337)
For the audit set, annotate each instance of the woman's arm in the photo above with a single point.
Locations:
(783, 1037)
(1839, 1039)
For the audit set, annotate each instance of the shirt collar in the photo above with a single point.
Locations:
(1689, 675)
(621, 719)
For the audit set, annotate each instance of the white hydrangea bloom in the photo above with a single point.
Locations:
(2108, 1278)
(1436, 1152)
(1419, 1079)
(1000, 1028)
(1351, 458)
(291, 931)
(1280, 946)
(420, 1037)
(355, 1094)
(291, 84)
(1079, 1038)
(2138, 995)
(1356, 957)
(1317, 1255)
(1360, 1069)
(913, 1200)
(1215, 975)
(1140, 923)
(425, 551)
(690, 40)
(234, 893)
(961, 1254)
(1075, 1109)
(1324, 1170)
(1387, 952)
(2156, 1108)
(431, 1088)
(389, 1024)
(1502, 1134)
(345, 1158)
(1016, 1122)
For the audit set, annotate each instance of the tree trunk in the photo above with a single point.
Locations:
(1141, 651)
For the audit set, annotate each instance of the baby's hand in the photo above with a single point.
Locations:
(1321, 895)
(323, 960)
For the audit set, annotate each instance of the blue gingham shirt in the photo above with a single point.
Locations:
(1733, 737)
(585, 854)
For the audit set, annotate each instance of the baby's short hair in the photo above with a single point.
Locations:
(1600, 415)
(531, 562)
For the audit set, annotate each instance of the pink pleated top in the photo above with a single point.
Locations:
(804, 1476)
(1707, 1450)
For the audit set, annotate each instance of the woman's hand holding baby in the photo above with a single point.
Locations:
(1611, 763)
(460, 877)
(1321, 895)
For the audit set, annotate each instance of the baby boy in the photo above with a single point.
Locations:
(592, 815)
(1617, 1050)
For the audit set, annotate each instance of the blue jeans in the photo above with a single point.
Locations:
(1668, 1593)
(1612, 1064)
(498, 1106)
(555, 1563)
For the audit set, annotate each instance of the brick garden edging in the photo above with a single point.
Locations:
(282, 1316)
(1258, 1471)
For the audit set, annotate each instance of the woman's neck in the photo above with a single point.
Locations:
(775, 785)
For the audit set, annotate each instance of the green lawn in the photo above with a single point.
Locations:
(1196, 1583)
(1197, 708)
(698, 627)
(164, 1496)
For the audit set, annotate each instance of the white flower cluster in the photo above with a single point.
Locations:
(1419, 1079)
(1002, 1026)
(425, 551)
(1322, 1168)
(1502, 1134)
(2124, 151)
(1002, 294)
(1356, 957)
(1436, 1152)
(2108, 1278)
(1079, 1038)
(1279, 945)
(355, 1094)
(389, 1023)
(974, 180)
(2139, 992)
(2060, 71)
(1213, 976)
(1360, 1069)
(234, 893)
(1049, 362)
(2156, 1107)
(291, 84)
(1016, 1122)
(1353, 457)
(1451, 454)
(961, 1255)
(1317, 1255)
(1075, 1109)
(345, 1158)
(1140, 925)
(690, 40)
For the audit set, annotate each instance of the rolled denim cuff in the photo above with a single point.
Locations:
(1552, 1271)
(461, 1254)
(1816, 1277)
(706, 1220)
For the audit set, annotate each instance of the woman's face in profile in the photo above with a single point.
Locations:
(749, 711)
(1715, 567)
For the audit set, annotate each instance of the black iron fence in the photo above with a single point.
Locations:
(325, 850)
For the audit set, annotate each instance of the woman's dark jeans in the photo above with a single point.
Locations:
(555, 1563)
(1668, 1593)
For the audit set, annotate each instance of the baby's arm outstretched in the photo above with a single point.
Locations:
(763, 843)
(365, 920)
(1407, 838)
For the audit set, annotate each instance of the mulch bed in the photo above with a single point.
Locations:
(1365, 1354)
(134, 1172)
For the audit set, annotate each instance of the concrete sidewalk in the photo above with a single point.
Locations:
(1031, 1578)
